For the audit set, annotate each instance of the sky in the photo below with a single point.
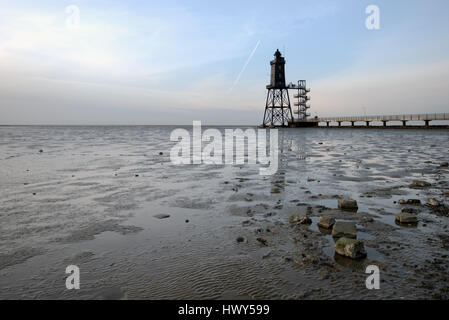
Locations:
(172, 62)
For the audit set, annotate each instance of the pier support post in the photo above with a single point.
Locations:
(352, 123)
(385, 123)
(339, 123)
(404, 123)
(367, 123)
(327, 124)
(427, 122)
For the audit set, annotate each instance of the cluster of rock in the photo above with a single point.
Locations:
(345, 235)
(409, 215)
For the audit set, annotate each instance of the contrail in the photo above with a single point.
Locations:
(244, 66)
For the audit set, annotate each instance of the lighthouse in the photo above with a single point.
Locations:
(278, 112)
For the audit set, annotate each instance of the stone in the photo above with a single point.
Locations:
(241, 239)
(305, 220)
(294, 218)
(444, 164)
(262, 241)
(347, 205)
(326, 222)
(406, 218)
(162, 216)
(433, 202)
(410, 201)
(410, 210)
(446, 193)
(351, 248)
(419, 184)
(344, 229)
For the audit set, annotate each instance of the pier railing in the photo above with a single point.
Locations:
(402, 117)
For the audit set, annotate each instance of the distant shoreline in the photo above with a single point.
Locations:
(431, 127)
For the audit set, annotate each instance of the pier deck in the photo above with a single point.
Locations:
(404, 118)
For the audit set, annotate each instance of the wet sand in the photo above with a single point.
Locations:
(91, 196)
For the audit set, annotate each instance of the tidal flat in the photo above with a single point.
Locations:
(108, 199)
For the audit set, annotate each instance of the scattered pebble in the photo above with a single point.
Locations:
(241, 239)
(162, 216)
(419, 184)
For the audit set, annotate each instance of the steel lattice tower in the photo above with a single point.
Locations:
(302, 101)
(278, 112)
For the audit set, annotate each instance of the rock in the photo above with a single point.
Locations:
(347, 205)
(161, 153)
(294, 218)
(410, 210)
(241, 239)
(305, 220)
(444, 164)
(262, 241)
(446, 193)
(187, 221)
(162, 216)
(344, 229)
(41, 150)
(326, 222)
(410, 201)
(350, 248)
(432, 202)
(406, 218)
(419, 184)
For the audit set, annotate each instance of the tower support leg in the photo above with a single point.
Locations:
(278, 112)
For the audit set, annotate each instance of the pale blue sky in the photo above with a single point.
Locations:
(171, 62)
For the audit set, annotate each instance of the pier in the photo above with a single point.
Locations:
(383, 119)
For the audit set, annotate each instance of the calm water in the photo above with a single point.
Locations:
(90, 198)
